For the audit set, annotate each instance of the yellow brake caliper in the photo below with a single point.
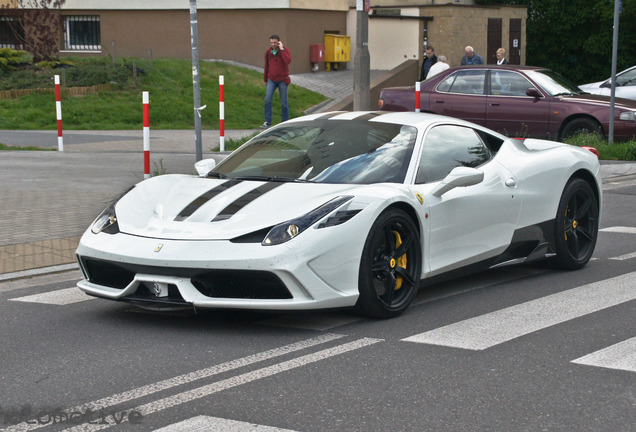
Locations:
(401, 261)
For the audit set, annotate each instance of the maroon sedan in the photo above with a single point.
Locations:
(516, 101)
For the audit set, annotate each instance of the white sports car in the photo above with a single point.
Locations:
(625, 85)
(345, 209)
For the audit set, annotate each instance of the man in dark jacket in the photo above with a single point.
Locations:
(276, 75)
(429, 61)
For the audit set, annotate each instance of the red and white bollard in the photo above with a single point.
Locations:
(58, 110)
(146, 101)
(221, 114)
(417, 96)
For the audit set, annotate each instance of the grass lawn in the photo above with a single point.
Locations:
(169, 83)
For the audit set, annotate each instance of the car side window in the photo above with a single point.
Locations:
(465, 82)
(449, 146)
(507, 83)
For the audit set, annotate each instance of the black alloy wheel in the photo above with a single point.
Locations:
(576, 226)
(390, 266)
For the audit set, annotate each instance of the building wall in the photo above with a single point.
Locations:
(238, 35)
(453, 26)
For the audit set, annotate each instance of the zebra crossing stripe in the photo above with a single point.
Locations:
(216, 424)
(491, 329)
(619, 356)
(624, 257)
(619, 229)
(60, 297)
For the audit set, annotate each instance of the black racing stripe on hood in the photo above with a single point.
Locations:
(197, 203)
(237, 205)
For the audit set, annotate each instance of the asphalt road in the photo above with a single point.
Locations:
(553, 351)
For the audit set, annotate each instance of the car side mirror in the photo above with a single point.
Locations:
(204, 166)
(458, 177)
(533, 92)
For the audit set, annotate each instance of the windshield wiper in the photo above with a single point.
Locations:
(216, 174)
(566, 94)
(272, 179)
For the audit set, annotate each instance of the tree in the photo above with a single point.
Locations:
(37, 24)
(574, 37)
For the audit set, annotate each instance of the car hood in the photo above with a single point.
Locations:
(194, 208)
(601, 100)
(591, 86)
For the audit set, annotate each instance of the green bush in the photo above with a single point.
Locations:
(10, 59)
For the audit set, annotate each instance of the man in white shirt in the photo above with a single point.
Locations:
(438, 67)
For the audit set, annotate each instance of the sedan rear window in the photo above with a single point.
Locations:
(464, 82)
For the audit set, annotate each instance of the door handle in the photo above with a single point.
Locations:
(494, 104)
(439, 101)
(511, 182)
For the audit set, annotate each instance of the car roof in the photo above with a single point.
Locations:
(494, 66)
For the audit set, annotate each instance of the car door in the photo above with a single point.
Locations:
(510, 111)
(461, 95)
(466, 224)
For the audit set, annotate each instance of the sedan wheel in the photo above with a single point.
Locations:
(581, 125)
(576, 227)
(390, 266)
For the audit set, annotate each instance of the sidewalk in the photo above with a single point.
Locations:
(49, 198)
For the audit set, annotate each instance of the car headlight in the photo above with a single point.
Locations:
(288, 230)
(106, 221)
(627, 116)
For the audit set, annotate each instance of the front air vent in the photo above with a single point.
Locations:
(239, 284)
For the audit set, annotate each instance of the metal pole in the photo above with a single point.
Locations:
(361, 64)
(610, 138)
(196, 84)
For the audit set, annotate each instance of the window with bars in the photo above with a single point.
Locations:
(11, 33)
(82, 33)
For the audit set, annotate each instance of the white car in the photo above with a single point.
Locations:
(345, 209)
(625, 85)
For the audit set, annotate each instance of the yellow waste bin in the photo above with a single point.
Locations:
(337, 50)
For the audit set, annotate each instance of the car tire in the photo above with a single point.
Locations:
(390, 266)
(581, 125)
(576, 225)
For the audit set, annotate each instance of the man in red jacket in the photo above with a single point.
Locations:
(277, 60)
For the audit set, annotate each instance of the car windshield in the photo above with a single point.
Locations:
(325, 151)
(553, 83)
(627, 78)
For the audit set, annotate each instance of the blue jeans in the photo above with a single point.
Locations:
(269, 94)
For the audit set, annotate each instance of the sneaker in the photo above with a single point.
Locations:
(266, 125)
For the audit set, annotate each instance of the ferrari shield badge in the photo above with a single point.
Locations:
(419, 197)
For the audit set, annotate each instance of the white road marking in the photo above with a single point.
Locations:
(619, 356)
(207, 390)
(60, 297)
(216, 424)
(624, 257)
(149, 389)
(506, 324)
(619, 229)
